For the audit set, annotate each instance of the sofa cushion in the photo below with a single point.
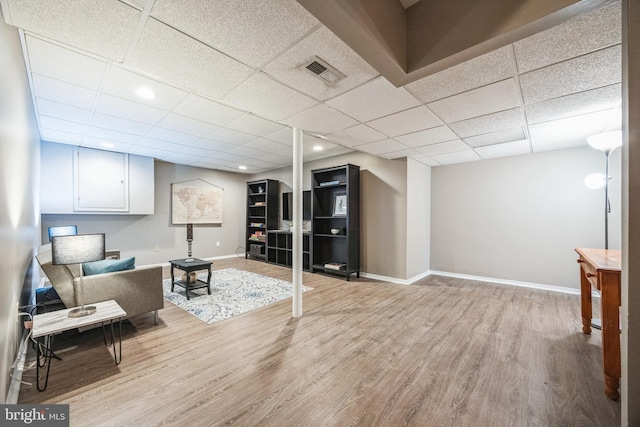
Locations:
(108, 266)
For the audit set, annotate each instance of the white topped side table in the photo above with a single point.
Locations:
(46, 325)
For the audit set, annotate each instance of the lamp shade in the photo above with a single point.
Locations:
(77, 249)
(606, 141)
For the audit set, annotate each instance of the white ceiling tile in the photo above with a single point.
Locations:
(62, 111)
(254, 125)
(512, 148)
(374, 99)
(233, 158)
(276, 159)
(427, 137)
(490, 123)
(407, 121)
(187, 125)
(119, 107)
(320, 119)
(265, 145)
(457, 157)
(200, 152)
(356, 135)
(245, 151)
(61, 125)
(268, 98)
(575, 104)
(54, 135)
(159, 144)
(572, 131)
(172, 136)
(129, 126)
(142, 150)
(104, 27)
(227, 24)
(106, 144)
(63, 64)
(498, 137)
(290, 66)
(601, 68)
(165, 52)
(442, 148)
(207, 111)
(427, 161)
(381, 147)
(182, 158)
(578, 36)
(212, 144)
(401, 154)
(283, 136)
(62, 92)
(123, 84)
(478, 102)
(474, 73)
(231, 136)
(112, 135)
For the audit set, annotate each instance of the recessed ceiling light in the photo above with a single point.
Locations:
(107, 145)
(318, 148)
(145, 93)
(242, 167)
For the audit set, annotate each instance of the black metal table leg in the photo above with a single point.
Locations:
(117, 354)
(47, 354)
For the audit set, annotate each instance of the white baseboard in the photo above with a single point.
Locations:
(428, 273)
(17, 371)
(541, 286)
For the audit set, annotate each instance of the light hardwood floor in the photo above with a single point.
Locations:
(441, 352)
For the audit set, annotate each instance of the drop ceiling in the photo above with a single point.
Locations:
(230, 82)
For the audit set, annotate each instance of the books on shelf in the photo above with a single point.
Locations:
(259, 204)
(328, 183)
(335, 266)
(257, 224)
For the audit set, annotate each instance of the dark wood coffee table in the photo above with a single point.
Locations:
(188, 265)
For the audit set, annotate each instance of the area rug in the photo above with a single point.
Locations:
(233, 292)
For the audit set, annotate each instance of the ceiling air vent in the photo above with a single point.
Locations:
(324, 71)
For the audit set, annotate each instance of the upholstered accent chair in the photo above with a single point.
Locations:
(137, 291)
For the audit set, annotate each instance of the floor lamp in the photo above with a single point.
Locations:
(606, 142)
(67, 250)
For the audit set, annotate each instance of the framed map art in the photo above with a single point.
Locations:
(196, 202)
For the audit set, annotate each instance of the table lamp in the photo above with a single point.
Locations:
(67, 250)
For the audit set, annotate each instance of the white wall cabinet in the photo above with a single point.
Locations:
(77, 180)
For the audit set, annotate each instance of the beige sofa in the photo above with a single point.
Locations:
(137, 291)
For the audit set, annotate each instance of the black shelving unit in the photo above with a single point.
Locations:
(280, 249)
(336, 206)
(262, 215)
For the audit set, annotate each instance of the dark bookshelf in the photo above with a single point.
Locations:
(336, 206)
(262, 215)
(280, 249)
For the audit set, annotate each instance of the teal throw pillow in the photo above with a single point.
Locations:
(108, 266)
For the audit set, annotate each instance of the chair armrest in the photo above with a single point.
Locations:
(137, 291)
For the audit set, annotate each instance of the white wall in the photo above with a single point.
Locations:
(418, 218)
(19, 196)
(520, 218)
(136, 235)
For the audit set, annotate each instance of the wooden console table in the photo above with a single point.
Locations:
(601, 269)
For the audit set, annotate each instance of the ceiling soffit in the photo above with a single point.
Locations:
(405, 45)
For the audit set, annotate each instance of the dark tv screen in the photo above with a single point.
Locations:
(62, 230)
(287, 206)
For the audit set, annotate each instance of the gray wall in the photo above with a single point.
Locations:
(383, 208)
(136, 235)
(520, 218)
(19, 195)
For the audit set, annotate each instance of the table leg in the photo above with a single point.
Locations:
(585, 299)
(186, 288)
(172, 278)
(209, 281)
(44, 349)
(610, 293)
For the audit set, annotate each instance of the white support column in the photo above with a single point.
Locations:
(297, 223)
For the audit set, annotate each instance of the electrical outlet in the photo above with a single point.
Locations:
(156, 248)
(217, 243)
